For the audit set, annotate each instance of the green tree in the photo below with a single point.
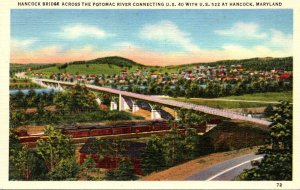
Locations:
(124, 172)
(89, 163)
(24, 164)
(60, 101)
(153, 156)
(191, 143)
(173, 147)
(66, 169)
(277, 161)
(17, 118)
(80, 98)
(269, 111)
(55, 147)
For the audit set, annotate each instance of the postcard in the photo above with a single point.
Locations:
(149, 94)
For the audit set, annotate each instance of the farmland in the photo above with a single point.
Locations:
(268, 96)
(226, 103)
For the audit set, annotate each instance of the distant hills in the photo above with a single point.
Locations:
(118, 63)
(267, 63)
(113, 60)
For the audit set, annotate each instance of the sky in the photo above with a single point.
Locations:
(150, 37)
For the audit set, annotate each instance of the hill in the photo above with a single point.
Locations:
(106, 65)
(115, 64)
(114, 60)
(268, 63)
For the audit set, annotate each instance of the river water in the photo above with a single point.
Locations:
(37, 90)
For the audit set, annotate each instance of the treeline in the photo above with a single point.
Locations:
(212, 89)
(176, 148)
(256, 64)
(76, 105)
(23, 86)
(15, 68)
(52, 159)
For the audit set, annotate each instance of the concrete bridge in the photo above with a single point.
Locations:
(123, 105)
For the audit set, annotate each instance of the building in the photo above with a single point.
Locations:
(133, 151)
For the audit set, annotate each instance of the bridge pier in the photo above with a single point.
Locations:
(123, 104)
(135, 108)
(98, 100)
(113, 106)
(155, 114)
(59, 88)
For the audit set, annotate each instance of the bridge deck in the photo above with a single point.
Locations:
(172, 103)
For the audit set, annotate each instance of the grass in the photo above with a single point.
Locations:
(267, 96)
(220, 104)
(107, 69)
(84, 69)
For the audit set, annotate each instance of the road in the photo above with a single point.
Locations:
(226, 170)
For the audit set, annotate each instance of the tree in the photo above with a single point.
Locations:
(80, 98)
(24, 164)
(153, 156)
(173, 147)
(124, 172)
(277, 162)
(17, 118)
(66, 169)
(191, 143)
(269, 111)
(89, 163)
(19, 163)
(55, 147)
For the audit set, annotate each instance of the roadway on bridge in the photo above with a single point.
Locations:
(190, 106)
(227, 170)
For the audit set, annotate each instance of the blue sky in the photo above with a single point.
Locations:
(153, 37)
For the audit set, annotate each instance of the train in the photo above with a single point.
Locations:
(128, 127)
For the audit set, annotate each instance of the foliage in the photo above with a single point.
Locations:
(191, 143)
(78, 105)
(66, 169)
(89, 163)
(269, 111)
(233, 135)
(24, 164)
(153, 156)
(79, 98)
(124, 172)
(54, 148)
(277, 161)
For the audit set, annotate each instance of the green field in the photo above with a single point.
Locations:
(84, 69)
(221, 103)
(268, 96)
(99, 69)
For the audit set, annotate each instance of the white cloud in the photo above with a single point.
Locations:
(281, 40)
(235, 51)
(21, 44)
(168, 32)
(78, 30)
(243, 30)
(126, 45)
